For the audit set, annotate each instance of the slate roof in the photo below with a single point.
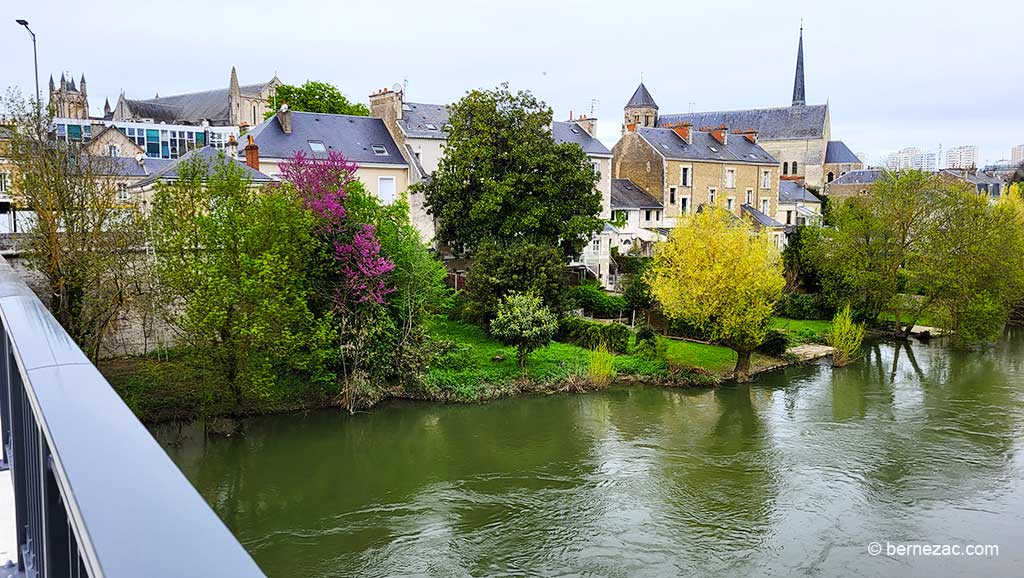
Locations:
(759, 217)
(793, 192)
(210, 156)
(352, 136)
(564, 132)
(129, 167)
(642, 97)
(417, 120)
(738, 149)
(786, 123)
(861, 177)
(627, 195)
(838, 152)
(192, 107)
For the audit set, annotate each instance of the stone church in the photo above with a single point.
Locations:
(68, 100)
(799, 136)
(235, 105)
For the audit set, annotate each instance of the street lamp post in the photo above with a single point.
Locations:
(35, 61)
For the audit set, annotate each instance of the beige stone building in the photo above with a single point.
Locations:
(685, 169)
(799, 136)
(68, 100)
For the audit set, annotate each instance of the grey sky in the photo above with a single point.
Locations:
(896, 73)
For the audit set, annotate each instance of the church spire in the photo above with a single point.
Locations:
(799, 99)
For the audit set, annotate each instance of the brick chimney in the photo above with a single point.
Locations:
(683, 130)
(720, 134)
(284, 118)
(631, 127)
(386, 104)
(586, 123)
(252, 155)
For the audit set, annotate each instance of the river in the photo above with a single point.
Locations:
(795, 475)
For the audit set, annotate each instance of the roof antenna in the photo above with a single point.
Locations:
(593, 107)
(405, 83)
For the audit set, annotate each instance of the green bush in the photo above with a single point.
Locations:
(524, 322)
(846, 337)
(650, 349)
(616, 337)
(590, 334)
(775, 344)
(646, 333)
(804, 306)
(592, 299)
(497, 271)
(601, 368)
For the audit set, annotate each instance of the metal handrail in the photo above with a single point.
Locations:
(95, 494)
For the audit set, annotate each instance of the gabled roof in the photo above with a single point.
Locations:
(641, 98)
(837, 152)
(571, 132)
(738, 149)
(793, 192)
(126, 167)
(192, 107)
(424, 120)
(211, 156)
(627, 195)
(861, 177)
(352, 136)
(785, 123)
(759, 217)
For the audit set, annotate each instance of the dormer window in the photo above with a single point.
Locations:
(379, 150)
(317, 146)
(431, 126)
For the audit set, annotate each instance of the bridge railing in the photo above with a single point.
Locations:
(94, 493)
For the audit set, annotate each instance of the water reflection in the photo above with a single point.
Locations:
(796, 474)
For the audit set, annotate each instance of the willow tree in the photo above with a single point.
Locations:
(717, 274)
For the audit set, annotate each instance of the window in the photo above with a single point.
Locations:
(431, 126)
(684, 176)
(730, 178)
(379, 150)
(789, 217)
(647, 215)
(386, 189)
(785, 168)
(765, 206)
(671, 195)
(657, 215)
(730, 203)
(831, 177)
(114, 150)
(317, 146)
(794, 168)
(766, 179)
(750, 196)
(3, 182)
(684, 205)
(597, 168)
(122, 192)
(595, 245)
(712, 193)
(254, 114)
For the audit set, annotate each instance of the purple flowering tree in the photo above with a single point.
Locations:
(362, 270)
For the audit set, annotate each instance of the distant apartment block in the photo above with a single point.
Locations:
(962, 157)
(1017, 154)
(912, 158)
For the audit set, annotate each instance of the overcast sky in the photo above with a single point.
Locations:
(896, 73)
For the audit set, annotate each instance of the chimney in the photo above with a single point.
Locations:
(683, 130)
(588, 124)
(386, 104)
(284, 118)
(231, 149)
(720, 134)
(252, 155)
(751, 135)
(631, 127)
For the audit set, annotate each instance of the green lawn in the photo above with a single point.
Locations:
(803, 330)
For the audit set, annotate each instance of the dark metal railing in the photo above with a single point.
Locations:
(94, 493)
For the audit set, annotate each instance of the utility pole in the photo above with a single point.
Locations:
(35, 62)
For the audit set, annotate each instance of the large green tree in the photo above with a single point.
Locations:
(503, 178)
(314, 96)
(237, 262)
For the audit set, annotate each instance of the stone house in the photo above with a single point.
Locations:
(383, 169)
(685, 169)
(797, 206)
(852, 183)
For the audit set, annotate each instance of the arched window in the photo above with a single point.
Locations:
(831, 177)
(794, 167)
(254, 115)
(785, 168)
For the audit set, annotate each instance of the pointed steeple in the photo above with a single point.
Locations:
(641, 98)
(234, 82)
(71, 85)
(51, 83)
(63, 82)
(82, 84)
(799, 98)
(106, 108)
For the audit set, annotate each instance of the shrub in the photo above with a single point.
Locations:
(650, 349)
(592, 299)
(846, 337)
(646, 333)
(775, 344)
(616, 337)
(524, 322)
(804, 306)
(601, 366)
(497, 271)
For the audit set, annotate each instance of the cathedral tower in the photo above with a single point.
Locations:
(641, 110)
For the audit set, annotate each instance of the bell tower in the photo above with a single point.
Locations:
(641, 111)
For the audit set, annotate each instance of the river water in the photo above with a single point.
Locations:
(795, 475)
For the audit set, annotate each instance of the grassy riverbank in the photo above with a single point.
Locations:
(471, 366)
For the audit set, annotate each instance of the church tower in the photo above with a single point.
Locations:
(69, 101)
(799, 99)
(641, 110)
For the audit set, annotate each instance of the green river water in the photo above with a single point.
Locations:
(795, 475)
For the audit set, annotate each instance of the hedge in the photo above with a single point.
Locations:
(592, 299)
(590, 334)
